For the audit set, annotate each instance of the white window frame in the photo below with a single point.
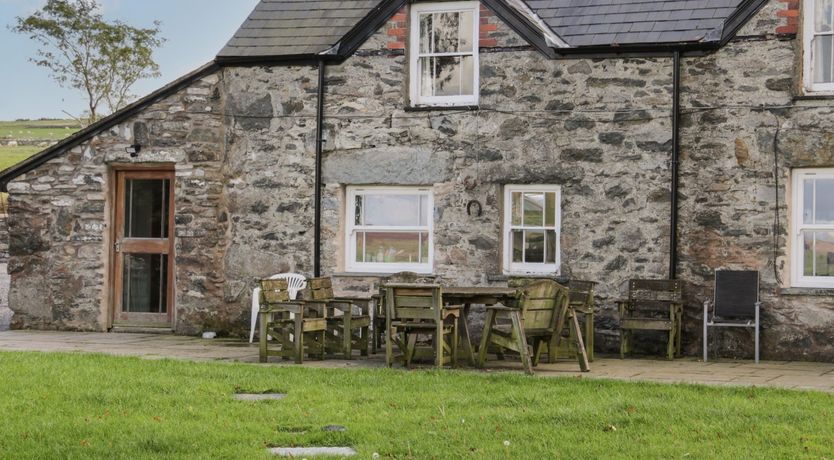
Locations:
(798, 184)
(414, 53)
(351, 229)
(512, 268)
(808, 34)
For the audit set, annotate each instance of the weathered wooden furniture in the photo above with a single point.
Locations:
(414, 310)
(652, 305)
(535, 326)
(348, 319)
(299, 328)
(378, 301)
(466, 296)
(295, 283)
(736, 304)
(582, 303)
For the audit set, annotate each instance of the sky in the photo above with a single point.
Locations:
(195, 29)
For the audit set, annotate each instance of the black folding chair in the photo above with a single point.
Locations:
(736, 303)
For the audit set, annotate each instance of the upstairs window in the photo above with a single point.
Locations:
(813, 225)
(389, 229)
(532, 218)
(444, 53)
(818, 38)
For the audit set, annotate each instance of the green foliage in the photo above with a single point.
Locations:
(85, 52)
(94, 406)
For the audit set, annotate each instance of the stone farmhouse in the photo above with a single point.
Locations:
(603, 140)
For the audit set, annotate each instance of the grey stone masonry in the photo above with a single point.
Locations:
(242, 142)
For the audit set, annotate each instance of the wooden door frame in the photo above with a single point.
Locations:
(116, 176)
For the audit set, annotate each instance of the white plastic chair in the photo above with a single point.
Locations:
(295, 283)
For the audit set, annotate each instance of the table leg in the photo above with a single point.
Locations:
(466, 341)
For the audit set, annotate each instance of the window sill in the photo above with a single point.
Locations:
(441, 108)
(506, 277)
(376, 274)
(814, 97)
(806, 291)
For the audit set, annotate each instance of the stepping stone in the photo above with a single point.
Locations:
(298, 452)
(336, 428)
(259, 396)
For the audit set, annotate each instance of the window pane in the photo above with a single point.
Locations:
(426, 76)
(808, 201)
(466, 32)
(550, 209)
(446, 32)
(392, 210)
(534, 209)
(145, 283)
(146, 208)
(424, 210)
(822, 58)
(357, 211)
(447, 76)
(824, 205)
(391, 247)
(518, 246)
(424, 247)
(360, 247)
(551, 247)
(425, 33)
(467, 75)
(534, 246)
(819, 253)
(516, 205)
(822, 15)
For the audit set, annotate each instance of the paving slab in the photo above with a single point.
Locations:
(781, 374)
(259, 396)
(298, 452)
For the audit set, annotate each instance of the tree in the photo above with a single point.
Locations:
(85, 52)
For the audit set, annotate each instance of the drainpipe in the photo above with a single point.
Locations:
(318, 185)
(673, 217)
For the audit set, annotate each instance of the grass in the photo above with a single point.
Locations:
(10, 156)
(37, 129)
(93, 406)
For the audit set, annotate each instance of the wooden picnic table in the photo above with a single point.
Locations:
(467, 296)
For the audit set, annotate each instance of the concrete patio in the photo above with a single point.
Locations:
(781, 374)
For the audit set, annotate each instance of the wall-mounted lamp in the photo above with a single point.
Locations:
(133, 150)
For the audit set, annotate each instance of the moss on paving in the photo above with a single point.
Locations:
(94, 406)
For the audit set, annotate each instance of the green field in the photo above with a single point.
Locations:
(31, 130)
(93, 406)
(47, 130)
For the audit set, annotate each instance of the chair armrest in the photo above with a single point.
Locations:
(500, 308)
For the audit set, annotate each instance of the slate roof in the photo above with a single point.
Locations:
(305, 28)
(296, 27)
(628, 22)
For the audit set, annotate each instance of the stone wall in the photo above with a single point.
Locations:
(243, 145)
(60, 234)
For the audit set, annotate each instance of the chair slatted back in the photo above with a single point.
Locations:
(274, 291)
(414, 302)
(319, 289)
(736, 293)
(400, 278)
(581, 293)
(654, 294)
(542, 302)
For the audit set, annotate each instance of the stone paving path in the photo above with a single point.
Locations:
(782, 374)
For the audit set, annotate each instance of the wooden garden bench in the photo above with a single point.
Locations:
(348, 319)
(299, 328)
(652, 305)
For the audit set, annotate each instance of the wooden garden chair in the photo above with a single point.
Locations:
(414, 310)
(652, 305)
(348, 320)
(582, 303)
(298, 327)
(379, 324)
(533, 327)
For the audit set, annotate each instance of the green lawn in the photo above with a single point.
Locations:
(37, 129)
(92, 406)
(10, 156)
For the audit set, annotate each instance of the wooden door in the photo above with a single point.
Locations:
(143, 251)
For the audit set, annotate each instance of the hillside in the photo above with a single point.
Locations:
(21, 139)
